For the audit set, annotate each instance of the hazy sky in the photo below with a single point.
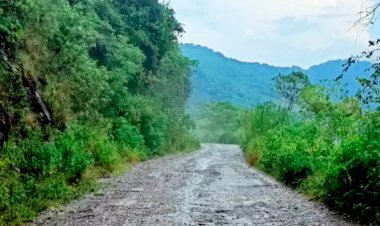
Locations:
(279, 32)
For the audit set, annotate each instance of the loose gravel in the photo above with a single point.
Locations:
(212, 186)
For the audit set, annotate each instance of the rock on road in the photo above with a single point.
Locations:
(212, 186)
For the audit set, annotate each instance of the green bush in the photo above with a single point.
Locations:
(256, 124)
(35, 174)
(354, 185)
(72, 149)
(292, 161)
(331, 153)
(127, 135)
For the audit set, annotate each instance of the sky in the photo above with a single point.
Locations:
(277, 32)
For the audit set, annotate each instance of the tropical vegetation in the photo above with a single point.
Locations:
(85, 87)
(318, 140)
(328, 148)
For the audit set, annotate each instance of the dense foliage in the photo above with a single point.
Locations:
(219, 123)
(85, 86)
(290, 86)
(329, 149)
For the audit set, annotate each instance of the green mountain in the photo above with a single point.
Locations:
(219, 78)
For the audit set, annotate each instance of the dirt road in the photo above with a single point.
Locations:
(210, 187)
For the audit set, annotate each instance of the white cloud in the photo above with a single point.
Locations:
(301, 32)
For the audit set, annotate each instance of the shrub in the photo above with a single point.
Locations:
(355, 183)
(127, 135)
(331, 153)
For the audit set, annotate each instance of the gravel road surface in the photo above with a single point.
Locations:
(212, 186)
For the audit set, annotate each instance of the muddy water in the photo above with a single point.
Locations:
(210, 187)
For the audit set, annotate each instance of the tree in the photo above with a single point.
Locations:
(370, 91)
(290, 87)
(220, 122)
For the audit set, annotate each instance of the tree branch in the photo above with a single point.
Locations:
(367, 16)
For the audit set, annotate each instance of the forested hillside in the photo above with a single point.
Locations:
(85, 86)
(218, 78)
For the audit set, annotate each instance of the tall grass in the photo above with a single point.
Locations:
(332, 154)
(256, 123)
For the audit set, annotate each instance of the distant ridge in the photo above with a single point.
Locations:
(219, 78)
(187, 46)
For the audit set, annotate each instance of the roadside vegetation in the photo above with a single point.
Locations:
(319, 141)
(327, 147)
(323, 140)
(218, 123)
(331, 156)
(85, 88)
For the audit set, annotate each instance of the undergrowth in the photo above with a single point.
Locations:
(87, 88)
(328, 150)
